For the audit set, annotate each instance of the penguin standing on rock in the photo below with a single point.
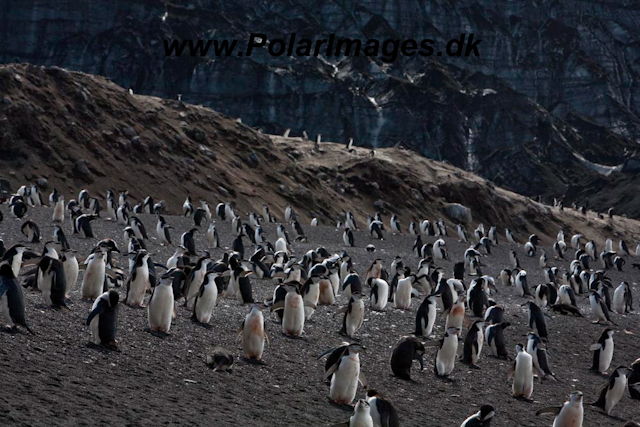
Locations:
(103, 320)
(405, 352)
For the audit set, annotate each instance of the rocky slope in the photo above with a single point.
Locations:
(71, 130)
(553, 78)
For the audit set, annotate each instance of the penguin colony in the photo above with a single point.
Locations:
(459, 315)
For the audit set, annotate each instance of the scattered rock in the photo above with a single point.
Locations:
(42, 183)
(207, 152)
(81, 169)
(6, 100)
(458, 212)
(223, 191)
(252, 160)
(129, 132)
(196, 134)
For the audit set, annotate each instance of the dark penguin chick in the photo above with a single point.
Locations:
(220, 359)
(482, 418)
(406, 351)
(103, 319)
(11, 299)
(473, 344)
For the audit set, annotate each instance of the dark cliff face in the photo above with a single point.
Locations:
(552, 79)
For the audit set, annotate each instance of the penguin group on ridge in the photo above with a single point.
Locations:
(192, 281)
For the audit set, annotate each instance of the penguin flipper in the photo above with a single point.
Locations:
(333, 368)
(362, 380)
(240, 331)
(3, 289)
(100, 308)
(266, 333)
(596, 346)
(555, 410)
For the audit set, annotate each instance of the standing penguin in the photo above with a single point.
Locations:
(395, 224)
(383, 412)
(447, 352)
(346, 375)
(162, 230)
(11, 299)
(31, 231)
(71, 270)
(539, 356)
(473, 344)
(347, 237)
(426, 316)
(58, 210)
(254, 333)
(405, 352)
(494, 335)
(536, 320)
(361, 414)
(138, 281)
(187, 207)
(522, 373)
(599, 307)
(379, 296)
(187, 241)
(482, 418)
(160, 308)
(94, 273)
(571, 414)
(53, 284)
(206, 298)
(622, 299)
(603, 352)
(212, 236)
(293, 315)
(103, 319)
(634, 380)
(353, 315)
(612, 391)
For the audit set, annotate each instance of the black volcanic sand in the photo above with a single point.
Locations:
(54, 378)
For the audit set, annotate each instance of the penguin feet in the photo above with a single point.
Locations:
(252, 361)
(474, 366)
(158, 334)
(10, 329)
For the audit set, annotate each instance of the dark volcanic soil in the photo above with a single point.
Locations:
(54, 378)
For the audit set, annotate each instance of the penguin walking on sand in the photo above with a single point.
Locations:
(462, 234)
(214, 241)
(473, 344)
(482, 418)
(58, 210)
(613, 390)
(522, 374)
(405, 352)
(160, 307)
(122, 215)
(345, 375)
(103, 320)
(71, 269)
(254, 333)
(293, 313)
(571, 414)
(395, 224)
(12, 299)
(187, 207)
(83, 225)
(603, 352)
(53, 281)
(510, 237)
(383, 412)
